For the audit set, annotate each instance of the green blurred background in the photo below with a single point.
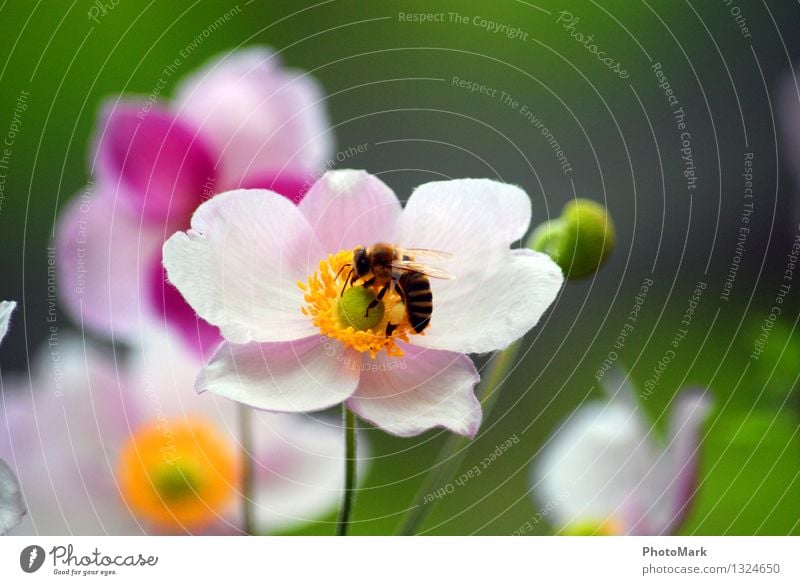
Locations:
(390, 86)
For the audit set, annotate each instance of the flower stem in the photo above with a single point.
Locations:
(346, 512)
(246, 442)
(456, 447)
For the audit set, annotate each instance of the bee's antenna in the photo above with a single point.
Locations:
(347, 280)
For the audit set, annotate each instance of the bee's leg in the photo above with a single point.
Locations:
(390, 327)
(378, 299)
(369, 282)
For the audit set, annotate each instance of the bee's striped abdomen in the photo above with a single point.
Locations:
(415, 289)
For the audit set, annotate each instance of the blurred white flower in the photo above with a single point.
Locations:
(606, 472)
(112, 447)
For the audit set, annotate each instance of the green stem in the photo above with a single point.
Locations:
(346, 512)
(246, 442)
(456, 447)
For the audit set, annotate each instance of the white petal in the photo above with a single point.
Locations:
(299, 469)
(488, 307)
(12, 506)
(351, 208)
(473, 218)
(162, 376)
(419, 391)
(6, 308)
(594, 467)
(679, 464)
(299, 376)
(259, 115)
(239, 265)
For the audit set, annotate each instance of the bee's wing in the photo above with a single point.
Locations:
(411, 266)
(425, 253)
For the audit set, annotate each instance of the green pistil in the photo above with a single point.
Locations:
(352, 308)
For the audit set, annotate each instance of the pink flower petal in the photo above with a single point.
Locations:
(299, 376)
(259, 116)
(239, 266)
(101, 258)
(351, 208)
(423, 389)
(293, 186)
(155, 162)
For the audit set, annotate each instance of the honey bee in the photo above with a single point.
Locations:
(390, 267)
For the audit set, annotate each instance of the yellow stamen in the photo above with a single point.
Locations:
(178, 474)
(322, 293)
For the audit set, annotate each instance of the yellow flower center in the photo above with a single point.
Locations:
(343, 316)
(178, 474)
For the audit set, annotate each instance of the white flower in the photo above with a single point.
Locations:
(112, 447)
(604, 471)
(288, 349)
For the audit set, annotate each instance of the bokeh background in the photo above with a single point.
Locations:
(390, 87)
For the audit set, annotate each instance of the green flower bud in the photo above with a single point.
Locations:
(352, 308)
(579, 241)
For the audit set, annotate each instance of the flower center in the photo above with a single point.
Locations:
(178, 473)
(355, 317)
(608, 527)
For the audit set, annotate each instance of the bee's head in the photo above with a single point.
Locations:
(361, 261)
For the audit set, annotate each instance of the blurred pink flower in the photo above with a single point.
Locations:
(603, 472)
(12, 506)
(242, 121)
(265, 272)
(106, 448)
